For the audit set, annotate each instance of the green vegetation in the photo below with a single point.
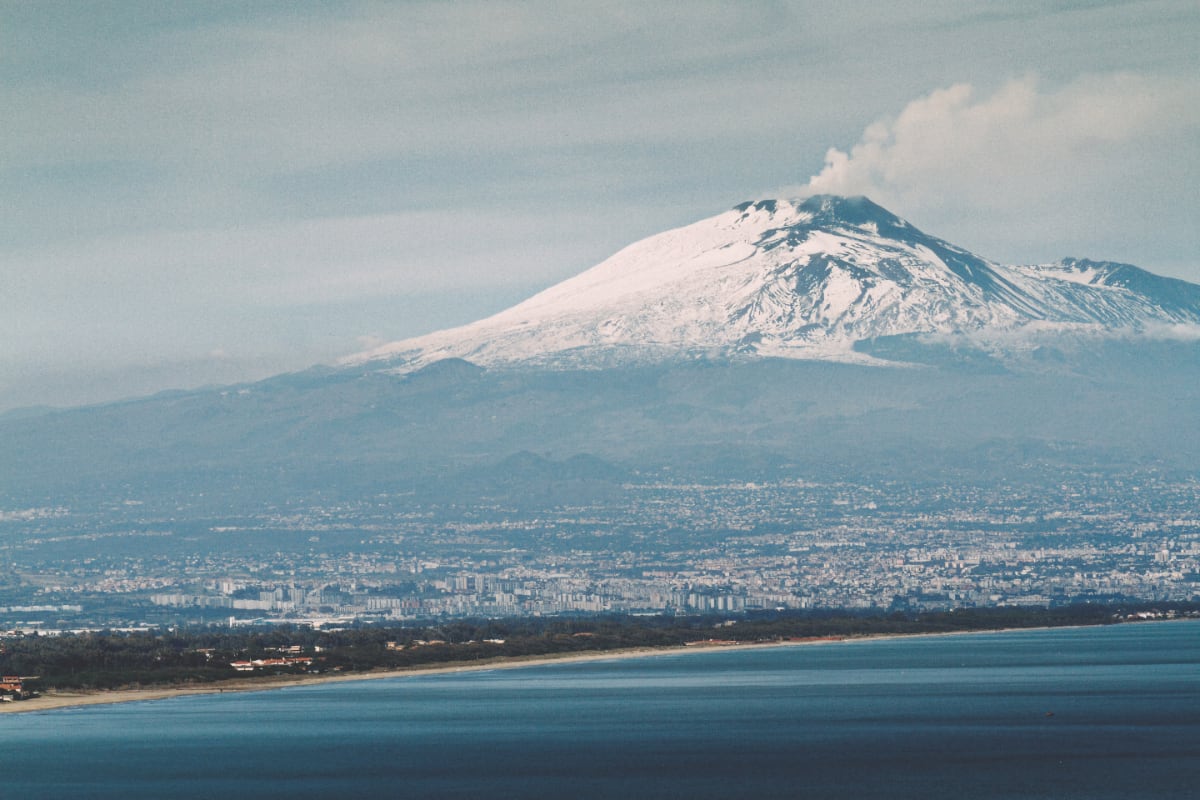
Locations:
(109, 660)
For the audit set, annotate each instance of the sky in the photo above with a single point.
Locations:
(197, 193)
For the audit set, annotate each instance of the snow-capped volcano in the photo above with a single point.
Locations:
(801, 279)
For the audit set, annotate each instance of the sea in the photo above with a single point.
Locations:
(1106, 712)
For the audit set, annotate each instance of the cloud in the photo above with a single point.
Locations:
(303, 90)
(1031, 161)
(296, 263)
(952, 143)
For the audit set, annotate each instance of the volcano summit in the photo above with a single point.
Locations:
(809, 279)
(745, 345)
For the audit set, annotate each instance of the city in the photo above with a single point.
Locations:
(662, 547)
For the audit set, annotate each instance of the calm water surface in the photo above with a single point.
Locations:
(1069, 713)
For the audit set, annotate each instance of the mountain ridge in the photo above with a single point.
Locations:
(797, 279)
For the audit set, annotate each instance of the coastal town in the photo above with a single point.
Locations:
(661, 548)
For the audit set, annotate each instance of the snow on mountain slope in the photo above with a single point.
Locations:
(1155, 295)
(796, 279)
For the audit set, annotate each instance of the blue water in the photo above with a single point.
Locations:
(1069, 713)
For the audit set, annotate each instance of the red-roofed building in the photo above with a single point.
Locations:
(12, 685)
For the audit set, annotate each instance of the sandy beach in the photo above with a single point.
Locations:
(70, 699)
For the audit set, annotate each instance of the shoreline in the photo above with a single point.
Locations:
(54, 700)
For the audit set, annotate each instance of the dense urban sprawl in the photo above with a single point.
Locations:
(655, 547)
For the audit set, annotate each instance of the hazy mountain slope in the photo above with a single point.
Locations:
(453, 431)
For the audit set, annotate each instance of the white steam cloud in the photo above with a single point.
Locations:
(1069, 158)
